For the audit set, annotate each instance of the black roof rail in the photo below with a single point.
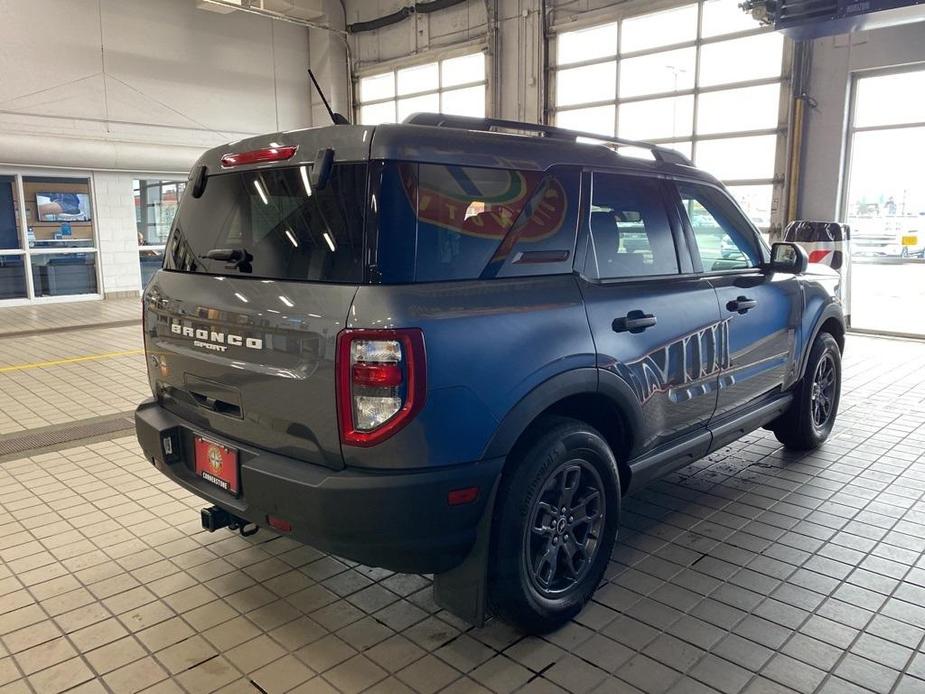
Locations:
(441, 120)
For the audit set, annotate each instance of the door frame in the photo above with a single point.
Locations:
(844, 188)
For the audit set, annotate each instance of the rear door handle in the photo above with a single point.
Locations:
(633, 322)
(741, 304)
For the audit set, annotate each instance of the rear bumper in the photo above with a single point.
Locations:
(398, 521)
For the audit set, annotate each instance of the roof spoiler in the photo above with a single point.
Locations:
(441, 120)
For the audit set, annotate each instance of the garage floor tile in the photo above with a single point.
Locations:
(753, 570)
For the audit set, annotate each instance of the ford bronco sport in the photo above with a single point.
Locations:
(452, 345)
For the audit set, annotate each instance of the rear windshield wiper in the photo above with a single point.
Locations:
(237, 258)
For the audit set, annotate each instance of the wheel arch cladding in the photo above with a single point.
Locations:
(832, 321)
(576, 395)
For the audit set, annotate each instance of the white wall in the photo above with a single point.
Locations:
(115, 87)
(833, 62)
(117, 238)
(142, 84)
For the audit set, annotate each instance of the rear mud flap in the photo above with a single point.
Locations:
(463, 591)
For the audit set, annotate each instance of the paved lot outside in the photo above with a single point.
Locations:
(888, 296)
(753, 570)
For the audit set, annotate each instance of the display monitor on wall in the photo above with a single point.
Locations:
(63, 207)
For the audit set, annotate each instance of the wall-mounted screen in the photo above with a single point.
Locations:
(63, 207)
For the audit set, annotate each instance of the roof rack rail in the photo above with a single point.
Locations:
(441, 120)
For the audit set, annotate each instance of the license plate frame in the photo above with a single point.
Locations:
(217, 464)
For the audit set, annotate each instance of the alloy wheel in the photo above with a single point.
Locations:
(823, 391)
(565, 528)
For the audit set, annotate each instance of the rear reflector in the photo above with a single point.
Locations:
(279, 524)
(258, 156)
(377, 375)
(458, 497)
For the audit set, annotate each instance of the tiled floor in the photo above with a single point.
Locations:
(754, 570)
(68, 315)
(52, 378)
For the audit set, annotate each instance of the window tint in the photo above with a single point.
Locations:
(629, 229)
(279, 227)
(724, 240)
(442, 222)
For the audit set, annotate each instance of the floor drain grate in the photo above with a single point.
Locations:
(59, 434)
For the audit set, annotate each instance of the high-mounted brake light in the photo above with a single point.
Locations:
(259, 156)
(380, 382)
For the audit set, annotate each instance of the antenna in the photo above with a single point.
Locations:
(336, 118)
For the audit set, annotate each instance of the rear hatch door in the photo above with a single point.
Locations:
(241, 325)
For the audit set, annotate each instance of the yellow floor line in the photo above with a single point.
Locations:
(70, 360)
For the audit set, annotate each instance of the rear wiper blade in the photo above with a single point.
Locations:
(238, 258)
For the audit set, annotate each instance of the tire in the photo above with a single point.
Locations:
(810, 418)
(532, 583)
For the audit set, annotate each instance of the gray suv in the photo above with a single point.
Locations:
(452, 346)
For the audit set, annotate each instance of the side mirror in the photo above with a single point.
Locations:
(788, 257)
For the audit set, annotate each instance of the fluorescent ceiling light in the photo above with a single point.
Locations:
(263, 195)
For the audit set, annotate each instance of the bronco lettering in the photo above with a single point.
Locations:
(210, 339)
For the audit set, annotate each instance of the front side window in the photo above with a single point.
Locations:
(630, 232)
(724, 240)
(272, 224)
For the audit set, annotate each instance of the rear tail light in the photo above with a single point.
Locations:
(258, 156)
(380, 382)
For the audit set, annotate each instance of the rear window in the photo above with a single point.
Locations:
(279, 227)
(444, 222)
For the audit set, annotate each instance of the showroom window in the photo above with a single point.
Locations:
(885, 201)
(47, 238)
(453, 85)
(703, 78)
(156, 205)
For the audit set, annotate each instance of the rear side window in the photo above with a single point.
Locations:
(271, 224)
(444, 222)
(630, 231)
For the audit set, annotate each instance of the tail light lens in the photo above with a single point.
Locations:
(380, 382)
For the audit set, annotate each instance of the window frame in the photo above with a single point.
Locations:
(25, 251)
(585, 253)
(394, 66)
(157, 249)
(618, 16)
